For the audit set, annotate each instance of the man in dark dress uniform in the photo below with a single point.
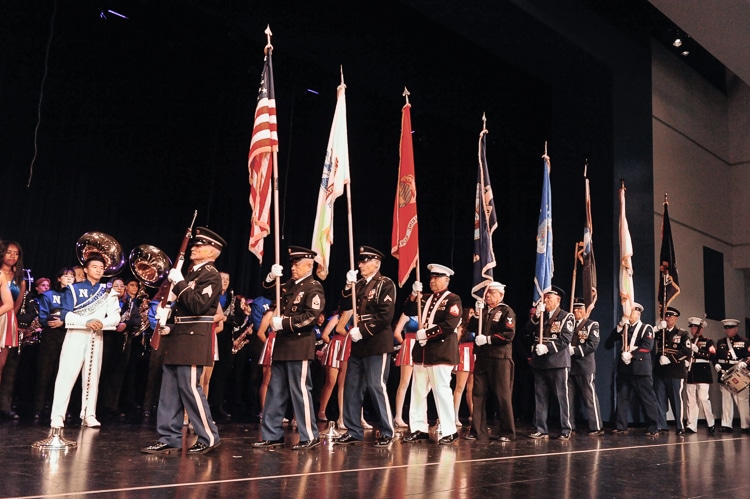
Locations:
(188, 347)
(731, 352)
(302, 300)
(372, 344)
(670, 372)
(550, 360)
(700, 377)
(435, 354)
(583, 367)
(493, 368)
(635, 372)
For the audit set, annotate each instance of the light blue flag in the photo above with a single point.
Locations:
(545, 266)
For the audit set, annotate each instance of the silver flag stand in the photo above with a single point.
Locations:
(55, 441)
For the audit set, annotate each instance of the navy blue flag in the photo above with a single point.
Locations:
(545, 266)
(669, 282)
(587, 257)
(485, 223)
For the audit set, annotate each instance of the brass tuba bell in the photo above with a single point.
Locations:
(104, 244)
(149, 264)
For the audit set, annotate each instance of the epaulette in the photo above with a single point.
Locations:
(210, 267)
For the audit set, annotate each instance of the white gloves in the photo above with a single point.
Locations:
(175, 276)
(481, 340)
(663, 360)
(571, 349)
(694, 348)
(416, 288)
(354, 332)
(422, 342)
(351, 277)
(162, 314)
(623, 322)
(276, 271)
(421, 334)
(277, 323)
(479, 305)
(540, 309)
(742, 365)
(541, 349)
(626, 357)
(662, 325)
(718, 368)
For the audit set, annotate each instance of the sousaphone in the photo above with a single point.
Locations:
(104, 244)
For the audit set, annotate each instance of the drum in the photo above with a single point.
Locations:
(736, 379)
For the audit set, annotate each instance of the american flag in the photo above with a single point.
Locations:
(263, 144)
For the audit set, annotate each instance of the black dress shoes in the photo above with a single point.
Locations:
(680, 433)
(470, 436)
(346, 439)
(448, 439)
(618, 431)
(159, 448)
(263, 444)
(307, 444)
(726, 429)
(417, 436)
(383, 441)
(712, 430)
(201, 448)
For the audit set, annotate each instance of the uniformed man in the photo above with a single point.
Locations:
(302, 300)
(673, 352)
(493, 368)
(583, 367)
(434, 355)
(372, 343)
(550, 360)
(88, 308)
(700, 376)
(188, 347)
(732, 352)
(635, 372)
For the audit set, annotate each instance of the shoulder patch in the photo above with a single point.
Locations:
(316, 302)
(454, 311)
(208, 290)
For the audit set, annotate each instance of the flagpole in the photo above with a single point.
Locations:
(268, 51)
(351, 231)
(541, 298)
(480, 330)
(575, 272)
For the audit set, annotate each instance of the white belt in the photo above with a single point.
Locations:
(701, 361)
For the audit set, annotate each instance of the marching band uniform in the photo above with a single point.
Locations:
(583, 369)
(493, 368)
(670, 372)
(700, 378)
(635, 374)
(372, 344)
(731, 351)
(302, 300)
(188, 348)
(434, 355)
(550, 361)
(82, 348)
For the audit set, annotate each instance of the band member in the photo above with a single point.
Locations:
(302, 299)
(87, 309)
(700, 376)
(732, 352)
(434, 355)
(550, 360)
(187, 342)
(634, 371)
(672, 352)
(405, 334)
(372, 344)
(493, 370)
(583, 367)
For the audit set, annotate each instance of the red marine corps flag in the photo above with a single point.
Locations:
(405, 237)
(263, 144)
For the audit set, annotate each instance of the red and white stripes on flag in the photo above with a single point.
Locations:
(263, 143)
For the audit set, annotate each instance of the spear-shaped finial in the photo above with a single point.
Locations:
(341, 68)
(269, 47)
(622, 183)
(484, 122)
(406, 94)
(585, 168)
(665, 199)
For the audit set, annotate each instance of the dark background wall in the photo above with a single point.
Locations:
(147, 119)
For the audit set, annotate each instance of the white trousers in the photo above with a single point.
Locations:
(81, 349)
(438, 379)
(728, 399)
(697, 393)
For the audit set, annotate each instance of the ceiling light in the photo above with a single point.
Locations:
(684, 53)
(677, 42)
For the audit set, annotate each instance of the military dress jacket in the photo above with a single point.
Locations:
(557, 332)
(190, 340)
(641, 338)
(301, 303)
(701, 369)
(441, 316)
(675, 344)
(585, 342)
(376, 303)
(730, 351)
(499, 323)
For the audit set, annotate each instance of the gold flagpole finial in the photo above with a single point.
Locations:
(406, 94)
(268, 33)
(585, 168)
(665, 199)
(484, 122)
